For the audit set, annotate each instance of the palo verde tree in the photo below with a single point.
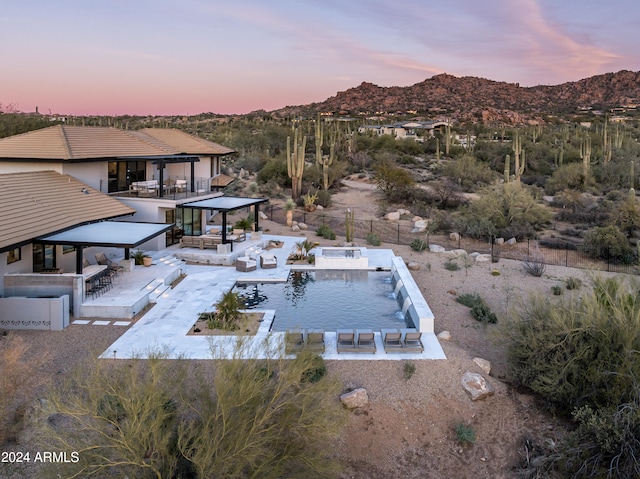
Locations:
(173, 418)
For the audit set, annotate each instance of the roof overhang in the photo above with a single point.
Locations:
(225, 203)
(116, 234)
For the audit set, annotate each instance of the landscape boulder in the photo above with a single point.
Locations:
(454, 237)
(483, 364)
(476, 385)
(319, 207)
(417, 218)
(434, 248)
(413, 265)
(420, 226)
(444, 335)
(392, 216)
(483, 258)
(263, 215)
(499, 241)
(302, 226)
(295, 228)
(355, 399)
(511, 241)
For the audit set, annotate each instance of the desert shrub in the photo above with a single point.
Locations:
(581, 356)
(184, 411)
(567, 176)
(556, 290)
(573, 283)
(534, 264)
(451, 265)
(418, 245)
(389, 177)
(555, 243)
(408, 369)
(475, 227)
(316, 370)
(275, 170)
(465, 434)
(481, 312)
(324, 198)
(373, 239)
(326, 232)
(469, 173)
(469, 299)
(608, 242)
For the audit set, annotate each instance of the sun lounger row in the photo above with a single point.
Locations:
(402, 340)
(311, 339)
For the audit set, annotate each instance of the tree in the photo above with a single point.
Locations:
(164, 418)
(390, 178)
(607, 242)
(447, 191)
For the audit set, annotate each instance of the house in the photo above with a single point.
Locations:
(412, 130)
(153, 171)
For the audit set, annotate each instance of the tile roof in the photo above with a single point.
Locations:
(65, 142)
(33, 204)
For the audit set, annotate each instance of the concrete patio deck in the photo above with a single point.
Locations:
(164, 328)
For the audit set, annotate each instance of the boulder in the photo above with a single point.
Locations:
(483, 364)
(417, 218)
(303, 226)
(444, 335)
(319, 207)
(454, 237)
(476, 385)
(483, 258)
(262, 215)
(355, 399)
(392, 216)
(434, 248)
(457, 253)
(474, 255)
(499, 241)
(511, 241)
(404, 212)
(413, 265)
(295, 228)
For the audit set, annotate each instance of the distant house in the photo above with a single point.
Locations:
(413, 130)
(154, 171)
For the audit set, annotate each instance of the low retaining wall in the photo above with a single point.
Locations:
(410, 297)
(342, 258)
(36, 285)
(49, 314)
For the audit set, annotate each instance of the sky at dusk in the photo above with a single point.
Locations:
(162, 57)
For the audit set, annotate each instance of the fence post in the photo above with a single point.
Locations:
(371, 226)
(566, 255)
(398, 233)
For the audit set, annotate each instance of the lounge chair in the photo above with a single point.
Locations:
(315, 340)
(346, 341)
(366, 341)
(114, 268)
(239, 233)
(392, 340)
(268, 261)
(294, 341)
(412, 341)
(245, 264)
(85, 262)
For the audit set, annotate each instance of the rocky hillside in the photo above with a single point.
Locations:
(481, 99)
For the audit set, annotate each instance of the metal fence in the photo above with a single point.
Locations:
(402, 234)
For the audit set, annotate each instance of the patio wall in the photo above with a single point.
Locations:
(36, 285)
(49, 314)
(410, 297)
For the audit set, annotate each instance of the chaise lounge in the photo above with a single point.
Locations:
(392, 340)
(346, 341)
(366, 341)
(315, 340)
(412, 341)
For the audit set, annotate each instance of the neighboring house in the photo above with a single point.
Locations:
(413, 130)
(40, 203)
(153, 170)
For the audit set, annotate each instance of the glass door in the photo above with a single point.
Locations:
(44, 257)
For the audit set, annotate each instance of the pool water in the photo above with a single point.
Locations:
(329, 300)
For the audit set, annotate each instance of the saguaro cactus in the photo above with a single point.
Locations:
(518, 154)
(632, 179)
(349, 224)
(585, 154)
(323, 160)
(295, 162)
(507, 166)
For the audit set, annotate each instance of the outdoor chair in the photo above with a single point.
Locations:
(240, 233)
(413, 341)
(245, 264)
(346, 341)
(315, 340)
(268, 261)
(365, 341)
(85, 262)
(294, 341)
(114, 268)
(391, 340)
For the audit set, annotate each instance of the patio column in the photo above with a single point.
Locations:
(193, 177)
(224, 226)
(256, 215)
(79, 257)
(161, 178)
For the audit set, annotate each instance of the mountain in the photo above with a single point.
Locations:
(479, 99)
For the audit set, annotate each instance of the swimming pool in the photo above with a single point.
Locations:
(329, 300)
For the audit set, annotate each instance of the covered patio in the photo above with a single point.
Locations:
(227, 204)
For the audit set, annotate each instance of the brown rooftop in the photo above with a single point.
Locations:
(65, 142)
(44, 202)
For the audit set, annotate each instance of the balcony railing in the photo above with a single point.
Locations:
(172, 189)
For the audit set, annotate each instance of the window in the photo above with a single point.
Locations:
(123, 173)
(14, 255)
